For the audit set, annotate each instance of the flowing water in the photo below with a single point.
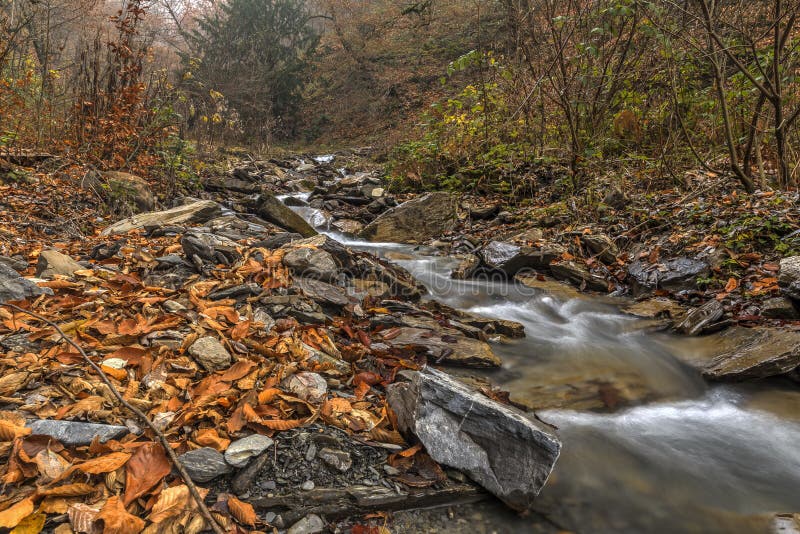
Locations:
(648, 446)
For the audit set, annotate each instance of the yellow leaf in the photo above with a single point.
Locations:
(33, 524)
(12, 516)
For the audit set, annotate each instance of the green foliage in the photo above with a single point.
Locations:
(472, 140)
(178, 165)
(251, 55)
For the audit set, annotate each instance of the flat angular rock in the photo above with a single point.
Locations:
(451, 348)
(310, 524)
(602, 246)
(311, 262)
(323, 293)
(310, 387)
(495, 445)
(676, 274)
(52, 262)
(764, 352)
(241, 451)
(273, 210)
(578, 275)
(789, 277)
(192, 213)
(205, 464)
(211, 354)
(702, 320)
(414, 221)
(336, 459)
(76, 433)
(14, 287)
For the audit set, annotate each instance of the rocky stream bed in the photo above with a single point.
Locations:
(279, 333)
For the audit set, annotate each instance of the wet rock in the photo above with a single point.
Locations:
(702, 320)
(51, 263)
(449, 347)
(310, 387)
(779, 308)
(323, 293)
(510, 259)
(339, 460)
(231, 183)
(14, 287)
(310, 524)
(400, 282)
(414, 221)
(311, 262)
(236, 229)
(789, 277)
(467, 268)
(201, 247)
(578, 275)
(657, 308)
(192, 213)
(301, 308)
(493, 444)
(278, 240)
(676, 274)
(240, 452)
(211, 354)
(760, 353)
(344, 258)
(488, 326)
(273, 210)
(602, 246)
(205, 464)
(76, 433)
(373, 288)
(348, 226)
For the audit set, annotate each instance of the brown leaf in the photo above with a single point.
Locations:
(731, 285)
(147, 467)
(104, 464)
(117, 520)
(243, 512)
(68, 490)
(171, 502)
(13, 515)
(9, 431)
(209, 437)
(277, 424)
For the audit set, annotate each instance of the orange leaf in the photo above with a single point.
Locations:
(243, 512)
(361, 390)
(266, 396)
(279, 424)
(240, 331)
(731, 285)
(238, 370)
(411, 451)
(117, 520)
(104, 464)
(171, 502)
(9, 431)
(147, 467)
(208, 437)
(11, 516)
(68, 490)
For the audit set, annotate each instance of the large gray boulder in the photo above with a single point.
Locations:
(196, 212)
(495, 445)
(676, 274)
(121, 189)
(14, 287)
(269, 208)
(414, 221)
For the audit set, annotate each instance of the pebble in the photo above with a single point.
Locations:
(391, 471)
(310, 387)
(210, 353)
(239, 453)
(310, 524)
(204, 464)
(339, 460)
(311, 452)
(173, 306)
(308, 485)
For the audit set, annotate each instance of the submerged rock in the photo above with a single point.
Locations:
(702, 320)
(414, 221)
(448, 347)
(761, 353)
(192, 213)
(495, 445)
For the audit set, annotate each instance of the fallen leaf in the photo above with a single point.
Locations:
(147, 467)
(209, 437)
(33, 524)
(171, 502)
(117, 520)
(243, 512)
(13, 515)
(104, 464)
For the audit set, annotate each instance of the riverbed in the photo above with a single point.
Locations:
(648, 445)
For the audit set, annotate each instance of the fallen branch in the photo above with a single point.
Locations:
(139, 414)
